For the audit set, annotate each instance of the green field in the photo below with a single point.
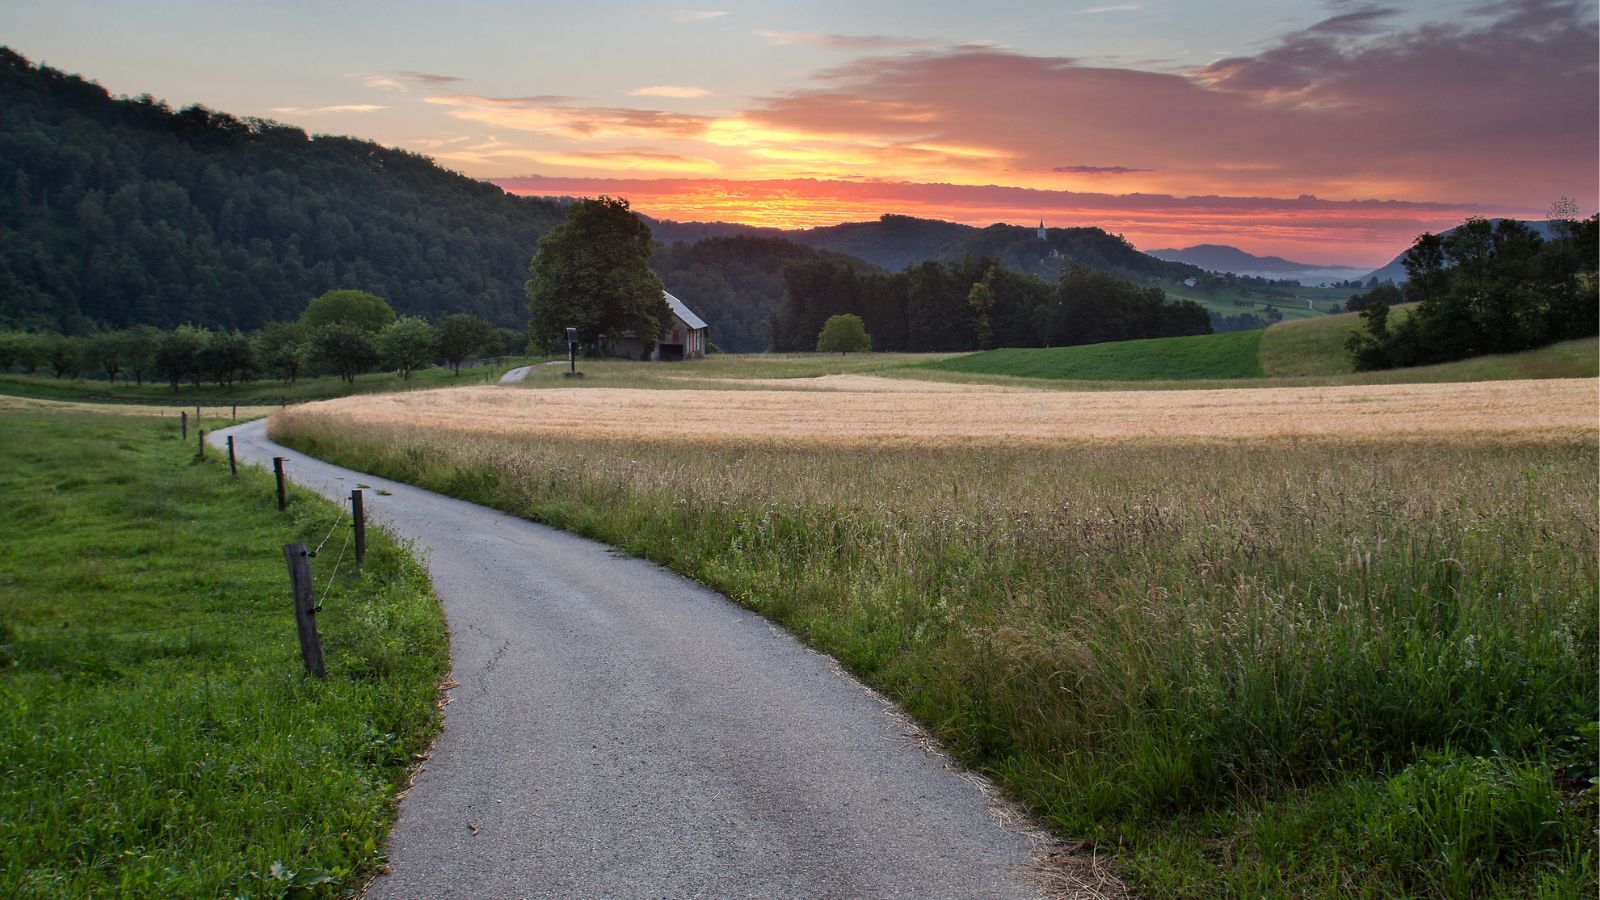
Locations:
(161, 736)
(1303, 352)
(1300, 668)
(1207, 356)
(96, 390)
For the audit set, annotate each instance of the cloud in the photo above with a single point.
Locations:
(553, 114)
(1499, 105)
(846, 43)
(1096, 170)
(629, 160)
(663, 90)
(317, 110)
(696, 15)
(402, 80)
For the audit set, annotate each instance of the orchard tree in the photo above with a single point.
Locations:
(844, 334)
(360, 309)
(593, 273)
(407, 345)
(178, 355)
(282, 349)
(345, 350)
(107, 350)
(461, 335)
(228, 357)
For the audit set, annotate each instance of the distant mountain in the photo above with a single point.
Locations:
(1396, 272)
(1222, 258)
(894, 242)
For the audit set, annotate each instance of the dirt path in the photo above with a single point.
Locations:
(618, 730)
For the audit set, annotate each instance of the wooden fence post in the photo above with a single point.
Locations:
(200, 445)
(235, 411)
(358, 514)
(233, 466)
(183, 422)
(305, 621)
(197, 415)
(277, 470)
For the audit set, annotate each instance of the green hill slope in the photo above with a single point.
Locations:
(1205, 356)
(120, 212)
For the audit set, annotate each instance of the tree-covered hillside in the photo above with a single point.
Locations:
(735, 283)
(116, 212)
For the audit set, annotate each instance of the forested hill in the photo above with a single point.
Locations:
(123, 211)
(736, 283)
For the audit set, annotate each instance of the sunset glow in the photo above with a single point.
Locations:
(1326, 132)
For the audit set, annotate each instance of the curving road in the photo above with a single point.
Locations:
(620, 731)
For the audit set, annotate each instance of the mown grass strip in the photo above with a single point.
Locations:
(161, 736)
(1291, 668)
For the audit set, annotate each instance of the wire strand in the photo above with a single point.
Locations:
(328, 588)
(331, 530)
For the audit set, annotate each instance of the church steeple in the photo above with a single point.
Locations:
(1042, 235)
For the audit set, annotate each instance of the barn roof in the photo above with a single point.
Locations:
(683, 312)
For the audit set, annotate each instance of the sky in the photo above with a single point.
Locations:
(1326, 132)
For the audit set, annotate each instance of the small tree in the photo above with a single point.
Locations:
(844, 334)
(346, 350)
(407, 345)
(107, 349)
(462, 335)
(178, 355)
(139, 345)
(282, 348)
(228, 357)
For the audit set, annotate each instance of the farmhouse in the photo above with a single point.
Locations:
(683, 336)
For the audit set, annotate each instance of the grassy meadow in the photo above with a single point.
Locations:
(161, 736)
(1282, 667)
(1206, 356)
(265, 391)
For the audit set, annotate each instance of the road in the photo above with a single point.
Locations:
(620, 731)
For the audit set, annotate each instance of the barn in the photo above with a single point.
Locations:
(682, 337)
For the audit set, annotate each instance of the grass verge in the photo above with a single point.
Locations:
(162, 738)
(1288, 668)
(271, 392)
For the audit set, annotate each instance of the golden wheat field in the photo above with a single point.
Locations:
(856, 415)
(29, 404)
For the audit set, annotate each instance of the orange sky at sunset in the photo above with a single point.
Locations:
(1325, 131)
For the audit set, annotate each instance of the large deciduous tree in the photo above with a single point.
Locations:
(346, 350)
(365, 311)
(593, 273)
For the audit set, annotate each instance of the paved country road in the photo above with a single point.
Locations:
(620, 731)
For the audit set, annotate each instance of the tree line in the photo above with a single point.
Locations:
(974, 304)
(1483, 288)
(117, 212)
(344, 333)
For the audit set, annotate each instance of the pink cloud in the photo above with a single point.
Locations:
(1501, 107)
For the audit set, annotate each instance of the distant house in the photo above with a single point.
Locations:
(683, 336)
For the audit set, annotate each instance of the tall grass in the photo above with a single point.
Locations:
(160, 737)
(1166, 650)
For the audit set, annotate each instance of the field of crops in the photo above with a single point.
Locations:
(904, 413)
(1251, 643)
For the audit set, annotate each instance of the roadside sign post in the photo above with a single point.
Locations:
(572, 354)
